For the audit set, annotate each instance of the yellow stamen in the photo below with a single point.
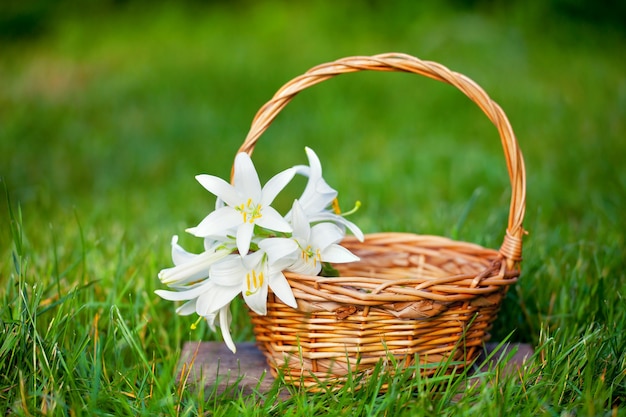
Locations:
(336, 207)
(194, 326)
(253, 282)
(308, 253)
(249, 211)
(356, 207)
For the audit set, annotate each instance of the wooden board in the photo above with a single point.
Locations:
(217, 368)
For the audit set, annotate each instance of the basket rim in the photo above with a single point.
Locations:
(385, 284)
(511, 248)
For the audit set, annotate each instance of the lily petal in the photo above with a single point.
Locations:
(302, 267)
(303, 170)
(195, 269)
(272, 220)
(338, 254)
(244, 235)
(299, 221)
(340, 220)
(356, 231)
(228, 272)
(245, 178)
(220, 188)
(183, 295)
(257, 301)
(317, 195)
(215, 298)
(210, 243)
(280, 286)
(324, 234)
(314, 162)
(180, 255)
(216, 222)
(284, 263)
(252, 260)
(321, 199)
(210, 320)
(275, 185)
(182, 275)
(278, 248)
(188, 308)
(225, 319)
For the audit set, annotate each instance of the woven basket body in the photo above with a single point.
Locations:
(424, 299)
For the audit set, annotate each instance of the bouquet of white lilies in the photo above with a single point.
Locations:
(248, 244)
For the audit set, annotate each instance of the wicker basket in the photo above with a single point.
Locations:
(419, 298)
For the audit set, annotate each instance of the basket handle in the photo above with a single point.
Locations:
(511, 248)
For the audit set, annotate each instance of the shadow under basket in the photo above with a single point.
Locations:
(415, 297)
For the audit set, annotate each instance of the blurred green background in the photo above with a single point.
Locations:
(109, 108)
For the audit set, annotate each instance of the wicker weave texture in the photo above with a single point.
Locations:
(419, 298)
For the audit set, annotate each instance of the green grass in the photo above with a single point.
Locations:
(106, 117)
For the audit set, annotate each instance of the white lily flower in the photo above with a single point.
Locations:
(318, 197)
(313, 245)
(250, 275)
(188, 276)
(246, 203)
(209, 281)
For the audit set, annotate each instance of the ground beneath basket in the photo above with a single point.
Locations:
(217, 368)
